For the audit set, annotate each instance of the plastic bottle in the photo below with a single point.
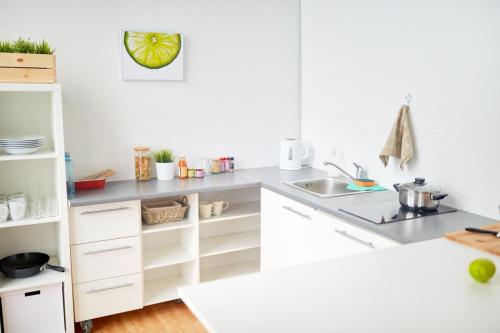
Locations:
(183, 169)
(70, 177)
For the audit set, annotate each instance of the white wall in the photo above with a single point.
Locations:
(360, 58)
(240, 94)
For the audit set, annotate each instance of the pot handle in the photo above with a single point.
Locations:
(55, 268)
(438, 196)
(397, 186)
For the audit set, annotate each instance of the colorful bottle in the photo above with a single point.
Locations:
(183, 169)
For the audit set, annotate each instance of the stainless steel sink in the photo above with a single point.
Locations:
(324, 187)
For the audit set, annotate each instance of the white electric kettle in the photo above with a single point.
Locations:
(294, 154)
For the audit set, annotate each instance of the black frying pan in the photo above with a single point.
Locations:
(26, 264)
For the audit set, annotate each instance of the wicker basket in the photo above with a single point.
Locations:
(164, 211)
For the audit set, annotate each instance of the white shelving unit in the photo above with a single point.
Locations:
(36, 109)
(194, 250)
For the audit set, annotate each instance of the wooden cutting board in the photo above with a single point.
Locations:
(483, 242)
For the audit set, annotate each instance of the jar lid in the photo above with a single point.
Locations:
(141, 148)
(420, 185)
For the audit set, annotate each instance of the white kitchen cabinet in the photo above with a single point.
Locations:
(294, 234)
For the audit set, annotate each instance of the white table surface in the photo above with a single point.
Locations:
(422, 287)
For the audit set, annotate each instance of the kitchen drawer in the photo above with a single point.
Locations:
(104, 221)
(358, 235)
(106, 297)
(105, 259)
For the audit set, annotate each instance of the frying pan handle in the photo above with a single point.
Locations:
(55, 268)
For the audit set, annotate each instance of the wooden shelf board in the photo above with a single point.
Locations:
(44, 278)
(162, 290)
(229, 243)
(166, 256)
(29, 221)
(227, 271)
(151, 228)
(236, 211)
(35, 156)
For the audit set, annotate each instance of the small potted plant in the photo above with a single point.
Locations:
(26, 61)
(164, 164)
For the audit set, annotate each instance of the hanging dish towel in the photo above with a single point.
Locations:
(399, 144)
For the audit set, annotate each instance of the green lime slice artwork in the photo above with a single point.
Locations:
(159, 54)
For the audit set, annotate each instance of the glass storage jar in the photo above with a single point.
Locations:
(142, 163)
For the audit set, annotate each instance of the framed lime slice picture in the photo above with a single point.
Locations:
(152, 55)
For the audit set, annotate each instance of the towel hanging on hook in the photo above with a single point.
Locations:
(399, 144)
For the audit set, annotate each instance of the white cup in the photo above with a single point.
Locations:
(220, 206)
(206, 209)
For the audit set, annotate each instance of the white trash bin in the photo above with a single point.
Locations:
(39, 310)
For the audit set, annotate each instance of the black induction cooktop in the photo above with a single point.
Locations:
(391, 211)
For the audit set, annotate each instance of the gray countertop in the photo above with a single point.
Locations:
(272, 178)
(134, 190)
(408, 231)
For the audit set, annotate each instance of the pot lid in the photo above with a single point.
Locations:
(420, 185)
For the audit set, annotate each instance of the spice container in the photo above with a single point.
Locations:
(222, 164)
(4, 208)
(227, 164)
(183, 169)
(142, 163)
(205, 164)
(191, 173)
(231, 164)
(215, 166)
(198, 172)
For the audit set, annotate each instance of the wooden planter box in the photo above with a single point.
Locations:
(27, 68)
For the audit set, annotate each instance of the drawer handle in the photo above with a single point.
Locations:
(297, 212)
(356, 239)
(109, 250)
(104, 210)
(93, 291)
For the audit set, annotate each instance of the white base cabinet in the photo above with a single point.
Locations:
(294, 234)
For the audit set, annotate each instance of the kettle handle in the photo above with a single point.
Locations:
(306, 151)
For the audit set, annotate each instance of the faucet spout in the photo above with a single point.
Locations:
(340, 169)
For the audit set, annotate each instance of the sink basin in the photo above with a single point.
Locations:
(324, 187)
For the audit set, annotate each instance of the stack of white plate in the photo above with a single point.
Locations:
(16, 145)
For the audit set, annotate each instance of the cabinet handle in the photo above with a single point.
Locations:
(354, 238)
(306, 216)
(93, 291)
(109, 250)
(104, 210)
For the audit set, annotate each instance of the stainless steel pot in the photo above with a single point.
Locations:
(418, 196)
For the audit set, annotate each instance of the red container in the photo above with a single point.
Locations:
(90, 184)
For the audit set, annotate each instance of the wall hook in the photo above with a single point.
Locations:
(408, 99)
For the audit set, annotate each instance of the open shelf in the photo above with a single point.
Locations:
(229, 243)
(223, 272)
(29, 221)
(28, 87)
(236, 211)
(44, 278)
(166, 256)
(35, 156)
(151, 228)
(162, 290)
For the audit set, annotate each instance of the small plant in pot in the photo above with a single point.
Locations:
(164, 164)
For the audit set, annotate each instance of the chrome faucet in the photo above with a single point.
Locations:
(359, 170)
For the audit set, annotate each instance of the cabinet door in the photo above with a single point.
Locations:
(284, 224)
